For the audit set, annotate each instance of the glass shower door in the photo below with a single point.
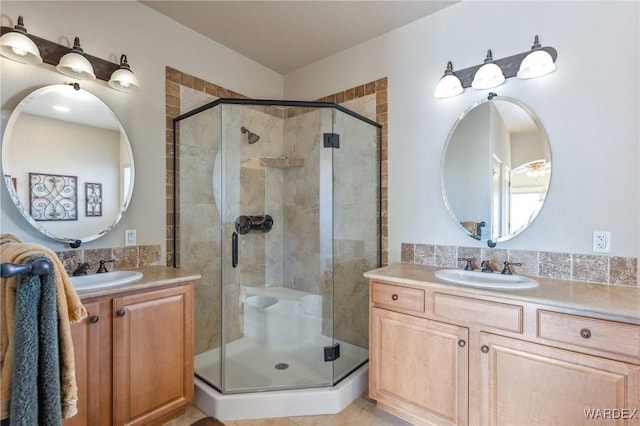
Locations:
(356, 235)
(277, 265)
(199, 217)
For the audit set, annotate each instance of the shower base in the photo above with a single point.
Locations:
(284, 403)
(277, 369)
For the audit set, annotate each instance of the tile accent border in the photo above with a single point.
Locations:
(127, 257)
(175, 79)
(379, 88)
(598, 269)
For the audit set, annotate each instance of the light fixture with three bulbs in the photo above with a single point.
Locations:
(16, 44)
(534, 63)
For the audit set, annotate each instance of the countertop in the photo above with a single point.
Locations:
(152, 276)
(613, 302)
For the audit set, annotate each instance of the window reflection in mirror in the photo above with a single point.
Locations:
(67, 163)
(496, 169)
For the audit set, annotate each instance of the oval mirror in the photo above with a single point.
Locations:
(496, 169)
(67, 164)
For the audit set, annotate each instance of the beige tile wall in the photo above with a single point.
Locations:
(563, 266)
(369, 100)
(126, 257)
(175, 80)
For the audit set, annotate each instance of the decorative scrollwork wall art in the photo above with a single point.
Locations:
(53, 197)
(93, 194)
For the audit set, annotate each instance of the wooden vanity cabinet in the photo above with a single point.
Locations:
(92, 342)
(134, 358)
(418, 366)
(441, 357)
(528, 383)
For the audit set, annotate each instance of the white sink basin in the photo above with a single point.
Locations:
(485, 279)
(104, 280)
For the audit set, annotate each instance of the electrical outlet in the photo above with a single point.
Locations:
(130, 237)
(601, 241)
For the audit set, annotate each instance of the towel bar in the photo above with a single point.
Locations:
(38, 267)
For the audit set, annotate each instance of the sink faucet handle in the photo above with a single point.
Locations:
(469, 265)
(507, 270)
(102, 268)
(485, 266)
(81, 269)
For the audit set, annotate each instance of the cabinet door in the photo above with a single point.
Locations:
(92, 348)
(153, 354)
(529, 384)
(418, 367)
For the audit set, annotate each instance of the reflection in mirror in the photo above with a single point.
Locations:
(496, 169)
(67, 163)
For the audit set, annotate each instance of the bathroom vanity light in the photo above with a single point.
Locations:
(74, 64)
(489, 75)
(449, 85)
(123, 79)
(16, 45)
(536, 62)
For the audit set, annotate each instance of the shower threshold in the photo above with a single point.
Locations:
(281, 403)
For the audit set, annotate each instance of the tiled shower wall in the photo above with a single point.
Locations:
(563, 266)
(185, 93)
(368, 100)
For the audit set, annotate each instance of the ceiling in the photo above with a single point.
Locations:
(287, 35)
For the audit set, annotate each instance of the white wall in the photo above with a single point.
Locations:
(151, 42)
(589, 107)
(592, 122)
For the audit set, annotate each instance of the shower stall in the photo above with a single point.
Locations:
(278, 207)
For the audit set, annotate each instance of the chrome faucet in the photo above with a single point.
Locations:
(507, 270)
(81, 269)
(485, 266)
(102, 268)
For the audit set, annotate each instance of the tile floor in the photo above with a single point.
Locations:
(361, 412)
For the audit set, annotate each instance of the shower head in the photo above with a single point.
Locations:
(251, 137)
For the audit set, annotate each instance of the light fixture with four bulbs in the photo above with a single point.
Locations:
(534, 63)
(16, 44)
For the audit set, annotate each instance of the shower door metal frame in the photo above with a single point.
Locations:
(176, 209)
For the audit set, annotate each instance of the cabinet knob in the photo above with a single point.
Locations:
(94, 319)
(462, 343)
(484, 349)
(394, 297)
(120, 312)
(586, 333)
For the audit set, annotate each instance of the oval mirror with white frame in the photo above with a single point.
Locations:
(496, 169)
(68, 164)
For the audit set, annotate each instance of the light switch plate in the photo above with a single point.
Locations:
(129, 237)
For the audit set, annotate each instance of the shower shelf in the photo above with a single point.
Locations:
(282, 162)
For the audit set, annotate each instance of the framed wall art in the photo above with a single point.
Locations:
(93, 196)
(53, 197)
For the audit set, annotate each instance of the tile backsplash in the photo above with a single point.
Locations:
(126, 257)
(563, 266)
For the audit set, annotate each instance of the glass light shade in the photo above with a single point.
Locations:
(17, 46)
(488, 76)
(448, 86)
(123, 80)
(536, 64)
(75, 65)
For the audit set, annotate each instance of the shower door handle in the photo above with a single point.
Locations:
(234, 249)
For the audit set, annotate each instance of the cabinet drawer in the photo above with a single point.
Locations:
(397, 298)
(482, 312)
(601, 335)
